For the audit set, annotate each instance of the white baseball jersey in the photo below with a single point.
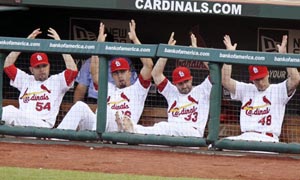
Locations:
(128, 101)
(262, 111)
(188, 108)
(40, 100)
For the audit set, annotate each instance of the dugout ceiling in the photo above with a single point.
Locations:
(212, 18)
(283, 9)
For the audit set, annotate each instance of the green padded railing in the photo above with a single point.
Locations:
(214, 56)
(2, 57)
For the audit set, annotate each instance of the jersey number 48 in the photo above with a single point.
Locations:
(267, 120)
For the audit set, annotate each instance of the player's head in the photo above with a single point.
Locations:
(259, 75)
(39, 66)
(120, 71)
(182, 79)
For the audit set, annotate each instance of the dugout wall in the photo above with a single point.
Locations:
(243, 29)
(206, 54)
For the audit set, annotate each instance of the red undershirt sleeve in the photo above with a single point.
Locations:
(144, 83)
(11, 71)
(162, 85)
(70, 76)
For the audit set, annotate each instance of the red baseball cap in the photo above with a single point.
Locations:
(119, 64)
(181, 74)
(38, 58)
(257, 72)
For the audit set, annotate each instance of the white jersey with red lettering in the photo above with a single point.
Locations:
(128, 101)
(262, 111)
(39, 100)
(191, 108)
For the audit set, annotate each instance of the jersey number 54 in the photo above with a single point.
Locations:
(42, 106)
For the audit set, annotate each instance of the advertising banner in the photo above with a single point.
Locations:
(269, 38)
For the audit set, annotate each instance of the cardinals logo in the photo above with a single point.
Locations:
(173, 107)
(36, 96)
(247, 105)
(257, 110)
(120, 104)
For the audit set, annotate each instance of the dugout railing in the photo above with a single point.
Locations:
(215, 56)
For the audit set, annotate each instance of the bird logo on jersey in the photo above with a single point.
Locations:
(184, 109)
(257, 110)
(190, 98)
(43, 87)
(34, 96)
(119, 104)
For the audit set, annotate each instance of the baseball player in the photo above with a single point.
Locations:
(188, 106)
(123, 97)
(85, 82)
(40, 95)
(263, 104)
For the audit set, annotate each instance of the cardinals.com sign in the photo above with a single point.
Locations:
(87, 29)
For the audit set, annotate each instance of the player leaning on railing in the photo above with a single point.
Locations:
(188, 106)
(263, 104)
(40, 95)
(123, 99)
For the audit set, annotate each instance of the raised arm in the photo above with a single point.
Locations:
(194, 44)
(227, 81)
(158, 69)
(293, 74)
(69, 61)
(13, 56)
(95, 59)
(147, 62)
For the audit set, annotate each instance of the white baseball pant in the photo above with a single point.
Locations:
(169, 128)
(14, 116)
(79, 117)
